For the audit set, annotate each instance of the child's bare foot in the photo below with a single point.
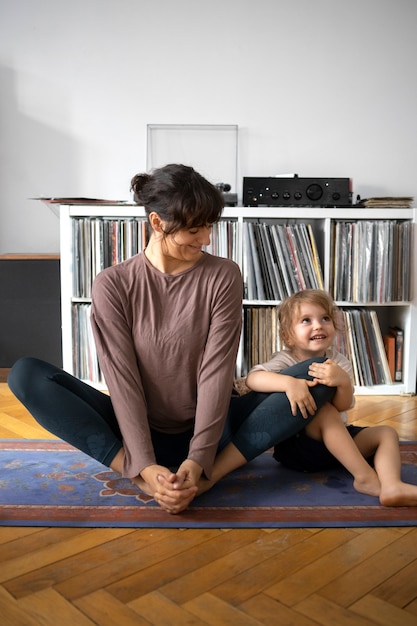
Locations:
(368, 484)
(401, 494)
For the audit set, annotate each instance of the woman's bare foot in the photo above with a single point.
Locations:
(142, 485)
(204, 485)
(400, 494)
(368, 484)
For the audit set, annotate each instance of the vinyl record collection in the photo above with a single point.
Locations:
(101, 242)
(370, 263)
(279, 260)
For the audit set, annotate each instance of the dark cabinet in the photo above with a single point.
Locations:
(30, 310)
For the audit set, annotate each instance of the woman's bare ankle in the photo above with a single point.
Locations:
(118, 461)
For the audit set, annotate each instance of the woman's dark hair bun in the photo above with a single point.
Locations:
(137, 184)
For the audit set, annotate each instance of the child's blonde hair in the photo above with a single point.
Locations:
(290, 307)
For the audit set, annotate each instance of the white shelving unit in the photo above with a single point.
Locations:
(402, 314)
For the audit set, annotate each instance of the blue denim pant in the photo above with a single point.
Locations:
(84, 416)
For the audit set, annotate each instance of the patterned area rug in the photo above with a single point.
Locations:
(48, 483)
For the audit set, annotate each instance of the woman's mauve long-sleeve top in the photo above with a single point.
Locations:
(167, 345)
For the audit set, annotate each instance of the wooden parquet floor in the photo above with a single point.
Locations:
(297, 577)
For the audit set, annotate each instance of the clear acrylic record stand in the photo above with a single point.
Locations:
(212, 149)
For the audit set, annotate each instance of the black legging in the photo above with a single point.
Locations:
(84, 417)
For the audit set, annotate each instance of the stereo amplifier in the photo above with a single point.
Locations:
(295, 191)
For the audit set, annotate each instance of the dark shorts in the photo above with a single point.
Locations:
(304, 454)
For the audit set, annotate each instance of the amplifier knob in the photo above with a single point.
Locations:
(314, 192)
(336, 196)
(275, 195)
(286, 195)
(298, 195)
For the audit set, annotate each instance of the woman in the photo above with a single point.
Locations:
(167, 325)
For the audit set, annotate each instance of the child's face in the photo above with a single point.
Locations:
(312, 331)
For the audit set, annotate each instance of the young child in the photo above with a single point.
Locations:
(307, 326)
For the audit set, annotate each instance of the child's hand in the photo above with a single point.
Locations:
(299, 396)
(329, 373)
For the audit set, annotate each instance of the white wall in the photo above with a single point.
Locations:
(318, 87)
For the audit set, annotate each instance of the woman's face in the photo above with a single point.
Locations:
(187, 243)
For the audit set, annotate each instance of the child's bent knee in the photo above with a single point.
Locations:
(389, 431)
